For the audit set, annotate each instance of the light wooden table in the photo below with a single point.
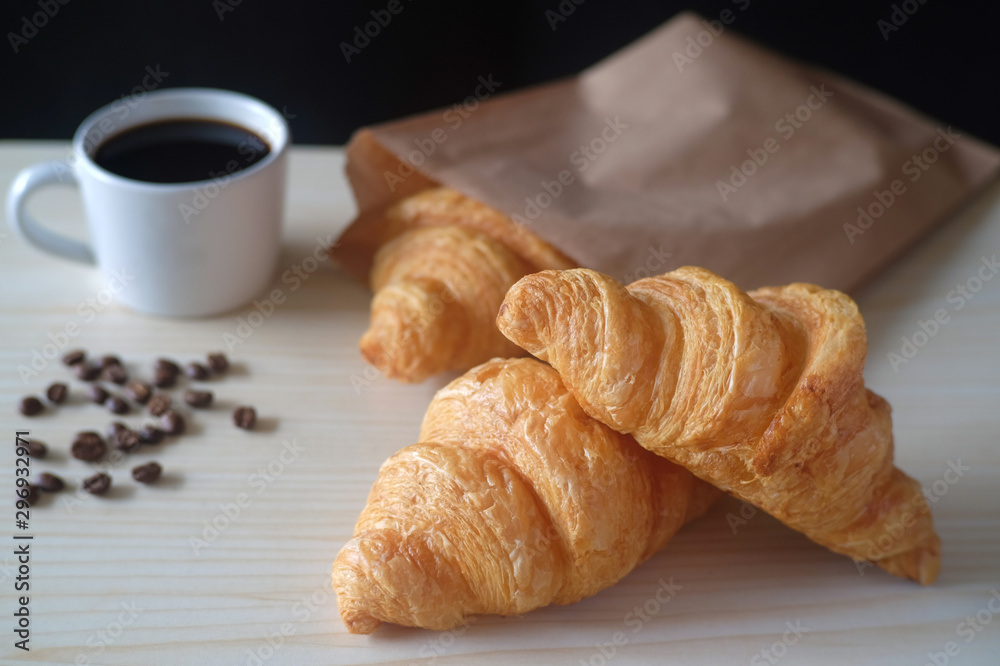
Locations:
(120, 580)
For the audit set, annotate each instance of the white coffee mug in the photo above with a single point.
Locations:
(178, 249)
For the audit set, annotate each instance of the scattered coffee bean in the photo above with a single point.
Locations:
(147, 473)
(96, 393)
(114, 373)
(245, 417)
(158, 404)
(34, 494)
(88, 446)
(30, 406)
(74, 357)
(196, 371)
(150, 435)
(218, 362)
(86, 371)
(56, 393)
(114, 428)
(116, 405)
(198, 398)
(97, 484)
(167, 366)
(50, 483)
(110, 360)
(164, 378)
(37, 449)
(127, 441)
(139, 391)
(171, 422)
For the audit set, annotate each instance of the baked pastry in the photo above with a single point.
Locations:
(513, 499)
(760, 394)
(437, 292)
(439, 276)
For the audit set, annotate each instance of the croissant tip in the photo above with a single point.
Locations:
(920, 564)
(358, 622)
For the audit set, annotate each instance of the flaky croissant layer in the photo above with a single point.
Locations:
(442, 269)
(514, 499)
(760, 394)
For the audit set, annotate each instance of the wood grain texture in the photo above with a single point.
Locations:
(740, 583)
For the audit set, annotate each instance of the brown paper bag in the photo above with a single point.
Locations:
(687, 147)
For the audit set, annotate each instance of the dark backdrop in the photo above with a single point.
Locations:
(59, 61)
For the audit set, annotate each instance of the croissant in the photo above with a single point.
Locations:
(760, 394)
(439, 277)
(513, 499)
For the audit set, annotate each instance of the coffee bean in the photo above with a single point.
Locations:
(114, 428)
(50, 483)
(34, 494)
(128, 441)
(171, 422)
(116, 405)
(86, 371)
(56, 393)
(164, 378)
(218, 362)
(110, 360)
(245, 417)
(167, 366)
(139, 391)
(97, 484)
(196, 371)
(74, 357)
(150, 435)
(96, 393)
(88, 446)
(114, 373)
(30, 406)
(147, 473)
(37, 449)
(198, 398)
(158, 404)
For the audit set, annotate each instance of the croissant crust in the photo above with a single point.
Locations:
(513, 499)
(760, 394)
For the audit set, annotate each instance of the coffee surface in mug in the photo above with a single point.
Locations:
(181, 150)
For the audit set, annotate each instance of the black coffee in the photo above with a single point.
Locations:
(183, 150)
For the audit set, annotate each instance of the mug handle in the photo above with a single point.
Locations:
(29, 180)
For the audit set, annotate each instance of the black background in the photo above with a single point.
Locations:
(941, 61)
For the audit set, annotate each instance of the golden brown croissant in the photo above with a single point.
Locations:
(513, 500)
(439, 278)
(760, 394)
(437, 291)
